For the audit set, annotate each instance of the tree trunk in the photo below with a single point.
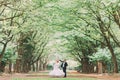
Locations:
(33, 67)
(113, 59)
(10, 67)
(113, 55)
(3, 50)
(18, 66)
(86, 66)
(2, 66)
(100, 68)
(44, 66)
(40, 65)
(25, 67)
(37, 66)
(103, 30)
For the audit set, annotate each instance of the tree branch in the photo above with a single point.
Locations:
(11, 17)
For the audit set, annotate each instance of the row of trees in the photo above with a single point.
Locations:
(90, 32)
(90, 27)
(23, 35)
(93, 25)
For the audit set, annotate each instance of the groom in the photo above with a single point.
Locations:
(64, 66)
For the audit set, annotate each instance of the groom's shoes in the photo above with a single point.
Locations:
(64, 77)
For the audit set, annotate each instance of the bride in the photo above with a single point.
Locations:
(56, 72)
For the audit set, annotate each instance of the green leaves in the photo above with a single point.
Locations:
(9, 56)
(101, 55)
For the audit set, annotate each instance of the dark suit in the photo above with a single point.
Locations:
(64, 66)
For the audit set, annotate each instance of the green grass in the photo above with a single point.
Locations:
(54, 79)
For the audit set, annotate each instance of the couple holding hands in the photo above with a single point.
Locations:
(56, 72)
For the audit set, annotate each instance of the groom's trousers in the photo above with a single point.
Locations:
(64, 70)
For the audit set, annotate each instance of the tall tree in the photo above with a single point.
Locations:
(9, 12)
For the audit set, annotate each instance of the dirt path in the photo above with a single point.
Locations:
(71, 74)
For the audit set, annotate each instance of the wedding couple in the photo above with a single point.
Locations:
(56, 72)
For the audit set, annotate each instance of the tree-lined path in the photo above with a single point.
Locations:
(36, 33)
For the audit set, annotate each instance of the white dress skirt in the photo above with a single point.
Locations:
(56, 72)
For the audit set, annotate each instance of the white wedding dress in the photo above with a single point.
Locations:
(56, 72)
